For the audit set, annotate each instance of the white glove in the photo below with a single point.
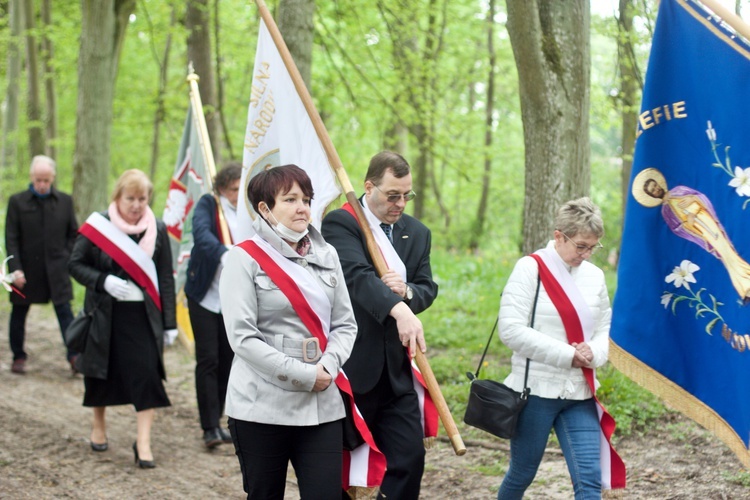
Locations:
(169, 336)
(116, 287)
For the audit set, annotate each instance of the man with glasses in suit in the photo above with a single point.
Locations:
(385, 307)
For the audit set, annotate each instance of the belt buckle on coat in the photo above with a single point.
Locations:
(308, 345)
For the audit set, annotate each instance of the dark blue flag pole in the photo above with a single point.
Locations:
(681, 316)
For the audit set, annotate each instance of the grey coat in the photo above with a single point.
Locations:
(90, 266)
(269, 382)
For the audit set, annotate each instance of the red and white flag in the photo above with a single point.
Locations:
(185, 189)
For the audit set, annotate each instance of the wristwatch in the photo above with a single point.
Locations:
(409, 294)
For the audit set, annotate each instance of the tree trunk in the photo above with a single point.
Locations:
(550, 41)
(103, 25)
(630, 85)
(198, 23)
(220, 84)
(295, 21)
(49, 80)
(160, 106)
(478, 232)
(33, 106)
(10, 121)
(423, 102)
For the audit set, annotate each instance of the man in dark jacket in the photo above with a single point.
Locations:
(40, 228)
(385, 308)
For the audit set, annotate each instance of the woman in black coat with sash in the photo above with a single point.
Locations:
(122, 256)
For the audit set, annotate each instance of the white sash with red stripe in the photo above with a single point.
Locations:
(429, 414)
(364, 466)
(579, 327)
(392, 259)
(123, 250)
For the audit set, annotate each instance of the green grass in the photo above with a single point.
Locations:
(458, 325)
(741, 477)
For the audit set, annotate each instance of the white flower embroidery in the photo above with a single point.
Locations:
(666, 297)
(741, 181)
(683, 274)
(710, 132)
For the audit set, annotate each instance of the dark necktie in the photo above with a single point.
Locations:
(388, 230)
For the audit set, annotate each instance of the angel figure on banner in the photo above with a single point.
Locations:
(690, 215)
(740, 176)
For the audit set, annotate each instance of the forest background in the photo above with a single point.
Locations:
(434, 79)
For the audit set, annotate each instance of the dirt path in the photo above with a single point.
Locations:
(44, 449)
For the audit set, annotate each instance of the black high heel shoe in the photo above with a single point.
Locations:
(99, 446)
(143, 464)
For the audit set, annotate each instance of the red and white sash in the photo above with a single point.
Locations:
(429, 413)
(364, 466)
(579, 326)
(123, 250)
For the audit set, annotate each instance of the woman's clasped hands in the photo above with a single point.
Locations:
(583, 355)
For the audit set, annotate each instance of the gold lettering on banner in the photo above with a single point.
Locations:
(660, 114)
(259, 84)
(262, 123)
(738, 342)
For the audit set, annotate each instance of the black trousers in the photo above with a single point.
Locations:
(264, 452)
(17, 328)
(213, 361)
(395, 423)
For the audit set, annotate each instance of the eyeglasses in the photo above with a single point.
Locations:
(395, 198)
(582, 249)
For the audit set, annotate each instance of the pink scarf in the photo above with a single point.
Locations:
(147, 224)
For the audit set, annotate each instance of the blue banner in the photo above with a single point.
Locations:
(681, 316)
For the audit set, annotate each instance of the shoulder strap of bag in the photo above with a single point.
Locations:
(472, 376)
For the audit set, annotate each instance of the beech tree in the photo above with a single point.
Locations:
(49, 81)
(295, 21)
(476, 234)
(550, 42)
(10, 121)
(33, 105)
(103, 25)
(198, 22)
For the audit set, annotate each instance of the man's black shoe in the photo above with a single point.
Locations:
(212, 438)
(226, 437)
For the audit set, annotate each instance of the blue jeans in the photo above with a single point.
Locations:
(576, 425)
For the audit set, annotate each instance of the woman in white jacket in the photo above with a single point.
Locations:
(561, 398)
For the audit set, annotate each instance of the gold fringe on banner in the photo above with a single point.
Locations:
(678, 398)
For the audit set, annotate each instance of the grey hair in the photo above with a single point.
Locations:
(580, 216)
(42, 159)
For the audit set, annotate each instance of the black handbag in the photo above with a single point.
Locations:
(77, 332)
(494, 407)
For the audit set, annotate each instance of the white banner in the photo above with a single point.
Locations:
(280, 132)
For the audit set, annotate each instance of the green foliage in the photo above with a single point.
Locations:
(741, 477)
(632, 406)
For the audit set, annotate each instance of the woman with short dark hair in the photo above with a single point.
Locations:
(290, 323)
